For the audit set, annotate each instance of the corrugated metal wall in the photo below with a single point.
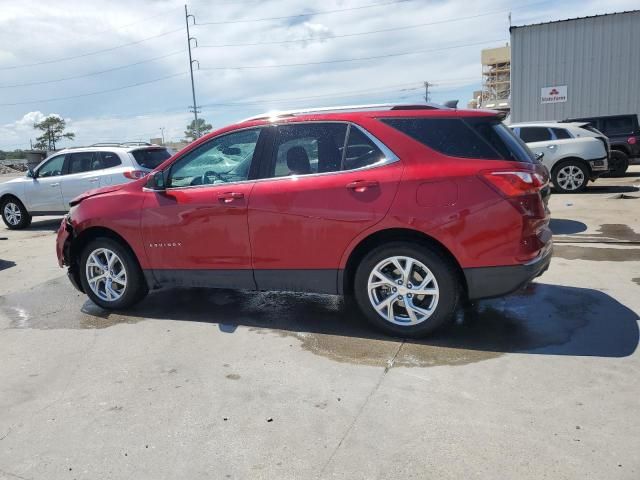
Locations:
(597, 58)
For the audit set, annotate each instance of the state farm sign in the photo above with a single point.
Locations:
(553, 94)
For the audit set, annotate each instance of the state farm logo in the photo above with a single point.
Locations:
(553, 94)
(553, 91)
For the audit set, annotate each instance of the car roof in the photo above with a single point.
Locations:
(548, 124)
(125, 147)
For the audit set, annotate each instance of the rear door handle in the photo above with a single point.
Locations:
(362, 185)
(229, 197)
(55, 184)
(94, 179)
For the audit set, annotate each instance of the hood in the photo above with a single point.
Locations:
(95, 192)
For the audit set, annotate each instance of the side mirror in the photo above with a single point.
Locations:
(30, 172)
(539, 156)
(156, 182)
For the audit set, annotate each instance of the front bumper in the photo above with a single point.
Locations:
(487, 282)
(63, 252)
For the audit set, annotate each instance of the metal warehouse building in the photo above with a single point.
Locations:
(579, 67)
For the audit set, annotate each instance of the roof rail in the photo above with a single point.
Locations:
(345, 108)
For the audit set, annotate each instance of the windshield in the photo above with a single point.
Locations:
(150, 158)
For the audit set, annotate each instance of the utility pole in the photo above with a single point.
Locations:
(162, 134)
(194, 107)
(427, 95)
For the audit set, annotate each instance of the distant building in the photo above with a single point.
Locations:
(496, 78)
(579, 67)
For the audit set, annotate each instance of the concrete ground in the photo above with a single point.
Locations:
(201, 384)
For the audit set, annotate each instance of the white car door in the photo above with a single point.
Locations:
(84, 171)
(43, 193)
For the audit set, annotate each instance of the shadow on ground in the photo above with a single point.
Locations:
(595, 188)
(48, 225)
(563, 226)
(544, 319)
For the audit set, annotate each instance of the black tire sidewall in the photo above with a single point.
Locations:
(566, 163)
(25, 220)
(441, 267)
(620, 164)
(136, 286)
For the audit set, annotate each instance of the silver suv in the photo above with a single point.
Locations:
(48, 189)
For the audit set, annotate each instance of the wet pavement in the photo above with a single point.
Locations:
(196, 383)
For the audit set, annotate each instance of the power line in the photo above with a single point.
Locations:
(374, 57)
(92, 93)
(93, 73)
(302, 15)
(371, 32)
(95, 52)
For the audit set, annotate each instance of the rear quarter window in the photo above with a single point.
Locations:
(478, 137)
(150, 157)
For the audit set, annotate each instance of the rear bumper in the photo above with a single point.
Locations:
(487, 282)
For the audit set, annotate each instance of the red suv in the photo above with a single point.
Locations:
(410, 208)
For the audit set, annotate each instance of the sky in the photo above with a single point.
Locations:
(117, 70)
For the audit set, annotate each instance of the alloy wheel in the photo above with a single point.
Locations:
(106, 274)
(570, 177)
(403, 290)
(12, 213)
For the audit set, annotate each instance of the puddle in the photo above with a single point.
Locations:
(596, 254)
(543, 319)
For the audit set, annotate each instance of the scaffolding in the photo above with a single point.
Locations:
(496, 78)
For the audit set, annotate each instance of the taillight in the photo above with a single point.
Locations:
(631, 140)
(515, 183)
(135, 174)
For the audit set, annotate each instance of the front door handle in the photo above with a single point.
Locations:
(362, 185)
(55, 184)
(94, 179)
(229, 197)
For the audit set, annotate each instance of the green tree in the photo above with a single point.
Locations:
(191, 133)
(52, 129)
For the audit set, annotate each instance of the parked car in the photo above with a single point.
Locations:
(623, 132)
(48, 189)
(574, 153)
(410, 208)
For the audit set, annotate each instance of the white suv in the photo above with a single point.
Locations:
(574, 153)
(48, 189)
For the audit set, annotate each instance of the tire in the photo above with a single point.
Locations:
(400, 320)
(570, 176)
(14, 214)
(111, 293)
(618, 164)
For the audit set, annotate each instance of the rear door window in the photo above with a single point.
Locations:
(150, 157)
(535, 134)
(561, 133)
(109, 159)
(360, 151)
(618, 126)
(306, 148)
(83, 162)
(478, 137)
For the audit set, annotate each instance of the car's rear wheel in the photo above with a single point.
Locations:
(110, 274)
(14, 214)
(618, 163)
(406, 289)
(570, 177)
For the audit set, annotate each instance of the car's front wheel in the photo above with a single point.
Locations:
(110, 274)
(407, 289)
(14, 214)
(570, 177)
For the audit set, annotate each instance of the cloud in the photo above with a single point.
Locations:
(75, 28)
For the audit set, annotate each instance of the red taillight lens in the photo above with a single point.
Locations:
(514, 183)
(631, 140)
(135, 174)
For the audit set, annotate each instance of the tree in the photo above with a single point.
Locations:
(53, 131)
(191, 134)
